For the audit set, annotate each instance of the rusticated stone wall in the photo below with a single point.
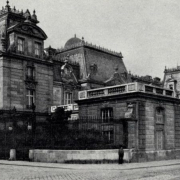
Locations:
(143, 132)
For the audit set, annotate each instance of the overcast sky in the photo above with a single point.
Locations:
(147, 32)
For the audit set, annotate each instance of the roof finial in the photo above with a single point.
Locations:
(7, 6)
(34, 12)
(7, 3)
(75, 35)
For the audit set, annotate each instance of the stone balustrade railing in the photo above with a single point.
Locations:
(125, 88)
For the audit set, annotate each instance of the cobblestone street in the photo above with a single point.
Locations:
(16, 170)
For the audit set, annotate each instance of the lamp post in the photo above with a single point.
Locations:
(12, 129)
(32, 127)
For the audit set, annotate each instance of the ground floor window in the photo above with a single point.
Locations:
(109, 135)
(106, 114)
(30, 98)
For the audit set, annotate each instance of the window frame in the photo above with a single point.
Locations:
(160, 122)
(20, 46)
(106, 114)
(30, 98)
(68, 98)
(37, 49)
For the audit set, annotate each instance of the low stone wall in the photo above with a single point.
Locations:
(145, 156)
(78, 156)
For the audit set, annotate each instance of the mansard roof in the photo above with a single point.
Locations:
(75, 42)
(28, 28)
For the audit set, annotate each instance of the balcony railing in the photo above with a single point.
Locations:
(125, 88)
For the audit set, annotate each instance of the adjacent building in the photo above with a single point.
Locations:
(138, 116)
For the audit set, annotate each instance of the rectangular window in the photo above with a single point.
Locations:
(20, 45)
(30, 73)
(159, 140)
(106, 114)
(68, 98)
(30, 98)
(37, 49)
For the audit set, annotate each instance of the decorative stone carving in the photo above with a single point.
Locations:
(93, 68)
(30, 84)
(130, 113)
(116, 78)
(67, 74)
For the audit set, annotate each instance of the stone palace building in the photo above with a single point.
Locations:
(146, 110)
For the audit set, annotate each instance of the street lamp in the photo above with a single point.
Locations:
(32, 127)
(11, 128)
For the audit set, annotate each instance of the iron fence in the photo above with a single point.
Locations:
(22, 132)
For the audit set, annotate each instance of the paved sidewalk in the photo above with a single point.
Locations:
(125, 166)
(22, 170)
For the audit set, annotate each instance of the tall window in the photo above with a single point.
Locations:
(37, 49)
(30, 98)
(68, 98)
(106, 114)
(30, 73)
(20, 45)
(159, 128)
(159, 140)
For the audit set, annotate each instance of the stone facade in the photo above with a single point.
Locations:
(26, 77)
(49, 77)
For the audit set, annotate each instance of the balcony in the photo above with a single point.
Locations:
(30, 78)
(124, 89)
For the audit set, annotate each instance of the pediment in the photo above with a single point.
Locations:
(115, 79)
(29, 29)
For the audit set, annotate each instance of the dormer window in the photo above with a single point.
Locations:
(20, 45)
(37, 49)
(68, 98)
